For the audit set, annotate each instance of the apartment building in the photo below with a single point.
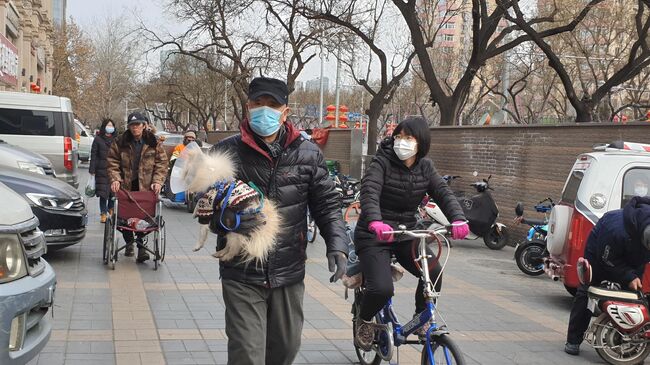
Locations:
(26, 45)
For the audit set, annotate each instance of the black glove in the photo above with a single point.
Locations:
(340, 261)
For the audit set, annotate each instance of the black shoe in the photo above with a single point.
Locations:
(142, 254)
(128, 251)
(572, 348)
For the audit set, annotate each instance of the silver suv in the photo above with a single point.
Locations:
(27, 282)
(42, 124)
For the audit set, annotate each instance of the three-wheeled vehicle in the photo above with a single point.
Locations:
(600, 181)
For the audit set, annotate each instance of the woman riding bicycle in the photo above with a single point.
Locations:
(391, 190)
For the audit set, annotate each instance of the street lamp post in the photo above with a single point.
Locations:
(322, 86)
(338, 82)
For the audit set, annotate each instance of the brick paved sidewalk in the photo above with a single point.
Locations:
(175, 315)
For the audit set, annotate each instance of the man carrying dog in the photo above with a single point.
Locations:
(618, 249)
(136, 162)
(264, 303)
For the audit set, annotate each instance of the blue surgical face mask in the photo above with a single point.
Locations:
(265, 120)
(110, 130)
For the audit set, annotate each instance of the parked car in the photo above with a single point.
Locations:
(600, 181)
(59, 207)
(42, 124)
(85, 140)
(16, 156)
(27, 282)
(172, 140)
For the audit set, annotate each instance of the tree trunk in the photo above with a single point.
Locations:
(584, 113)
(373, 117)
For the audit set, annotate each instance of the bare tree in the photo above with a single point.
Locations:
(489, 36)
(113, 65)
(366, 22)
(604, 76)
(71, 74)
(227, 36)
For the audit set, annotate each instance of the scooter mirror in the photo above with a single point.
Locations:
(584, 271)
(475, 173)
(519, 209)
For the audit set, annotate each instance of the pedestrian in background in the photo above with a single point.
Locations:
(136, 162)
(99, 166)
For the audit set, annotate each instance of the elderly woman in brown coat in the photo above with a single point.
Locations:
(136, 162)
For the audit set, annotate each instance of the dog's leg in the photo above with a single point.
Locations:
(203, 236)
(232, 249)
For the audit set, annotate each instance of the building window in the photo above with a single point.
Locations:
(449, 25)
(448, 37)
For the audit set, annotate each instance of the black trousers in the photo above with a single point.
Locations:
(375, 264)
(580, 316)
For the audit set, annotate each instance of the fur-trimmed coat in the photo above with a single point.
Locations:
(153, 161)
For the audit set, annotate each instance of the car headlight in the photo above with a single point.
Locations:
(31, 167)
(50, 201)
(12, 258)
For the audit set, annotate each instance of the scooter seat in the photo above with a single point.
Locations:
(608, 294)
(533, 222)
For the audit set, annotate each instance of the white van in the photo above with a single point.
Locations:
(43, 124)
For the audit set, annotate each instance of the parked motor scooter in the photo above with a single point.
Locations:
(620, 333)
(481, 212)
(531, 252)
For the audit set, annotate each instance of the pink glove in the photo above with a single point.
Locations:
(379, 228)
(459, 230)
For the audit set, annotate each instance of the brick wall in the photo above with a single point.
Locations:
(527, 163)
(343, 145)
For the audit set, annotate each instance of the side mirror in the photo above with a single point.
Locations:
(584, 271)
(519, 209)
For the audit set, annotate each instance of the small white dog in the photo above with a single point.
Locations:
(224, 200)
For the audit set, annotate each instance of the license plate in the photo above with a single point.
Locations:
(84, 220)
(591, 305)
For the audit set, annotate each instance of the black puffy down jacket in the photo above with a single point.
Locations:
(392, 192)
(297, 179)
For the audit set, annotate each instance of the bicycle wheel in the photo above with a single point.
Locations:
(352, 212)
(444, 350)
(312, 229)
(365, 357)
(156, 249)
(108, 239)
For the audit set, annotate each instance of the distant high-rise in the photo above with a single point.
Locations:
(58, 12)
(314, 84)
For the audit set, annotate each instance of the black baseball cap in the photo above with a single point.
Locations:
(277, 89)
(136, 118)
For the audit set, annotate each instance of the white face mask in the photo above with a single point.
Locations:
(404, 149)
(640, 190)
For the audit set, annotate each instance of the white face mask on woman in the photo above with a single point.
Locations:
(405, 148)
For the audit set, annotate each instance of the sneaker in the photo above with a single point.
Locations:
(102, 218)
(572, 348)
(365, 335)
(128, 251)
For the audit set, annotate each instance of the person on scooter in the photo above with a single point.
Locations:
(618, 248)
(392, 188)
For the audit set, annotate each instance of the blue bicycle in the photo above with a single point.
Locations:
(439, 348)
